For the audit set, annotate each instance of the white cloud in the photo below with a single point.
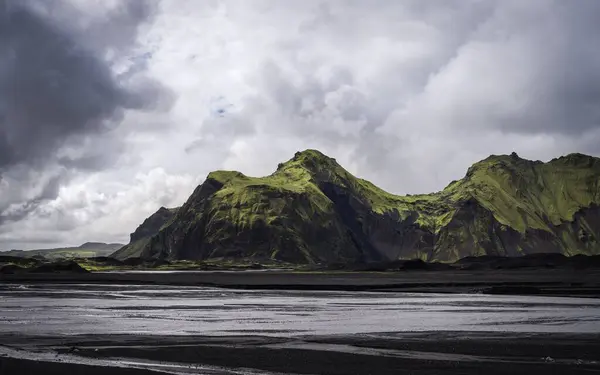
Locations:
(92, 208)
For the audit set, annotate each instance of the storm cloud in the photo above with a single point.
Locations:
(56, 91)
(406, 93)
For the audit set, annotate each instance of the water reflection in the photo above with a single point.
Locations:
(83, 309)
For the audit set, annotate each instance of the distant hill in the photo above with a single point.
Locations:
(87, 250)
(311, 210)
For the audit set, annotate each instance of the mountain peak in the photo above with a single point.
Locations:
(312, 165)
(310, 153)
(311, 160)
(223, 176)
(576, 159)
(501, 162)
(512, 158)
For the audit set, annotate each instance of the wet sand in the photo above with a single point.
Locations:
(563, 282)
(426, 352)
(392, 353)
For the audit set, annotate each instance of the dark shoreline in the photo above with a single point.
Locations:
(557, 282)
(12, 366)
(391, 353)
(359, 354)
(429, 353)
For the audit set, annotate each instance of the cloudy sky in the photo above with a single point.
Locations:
(110, 109)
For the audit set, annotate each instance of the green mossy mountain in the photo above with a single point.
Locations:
(311, 210)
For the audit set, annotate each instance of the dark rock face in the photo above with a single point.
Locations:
(288, 237)
(486, 236)
(311, 210)
(152, 225)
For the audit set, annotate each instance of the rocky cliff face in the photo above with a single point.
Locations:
(311, 210)
(140, 238)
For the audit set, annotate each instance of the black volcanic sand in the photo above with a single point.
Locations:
(382, 354)
(541, 281)
(12, 366)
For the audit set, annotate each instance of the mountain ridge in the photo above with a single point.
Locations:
(140, 237)
(86, 250)
(311, 210)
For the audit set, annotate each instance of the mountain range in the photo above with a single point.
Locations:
(312, 211)
(86, 250)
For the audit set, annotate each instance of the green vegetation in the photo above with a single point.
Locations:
(311, 210)
(183, 265)
(528, 195)
(18, 261)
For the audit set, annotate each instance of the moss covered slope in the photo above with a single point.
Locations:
(311, 210)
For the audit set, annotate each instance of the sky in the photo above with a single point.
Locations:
(110, 109)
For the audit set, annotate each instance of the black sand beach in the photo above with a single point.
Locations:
(393, 353)
(497, 351)
(565, 282)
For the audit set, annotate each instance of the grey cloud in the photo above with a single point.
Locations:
(566, 90)
(12, 211)
(51, 87)
(55, 90)
(96, 24)
(530, 68)
(33, 242)
(124, 22)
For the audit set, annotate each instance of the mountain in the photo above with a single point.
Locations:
(311, 210)
(86, 250)
(140, 238)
